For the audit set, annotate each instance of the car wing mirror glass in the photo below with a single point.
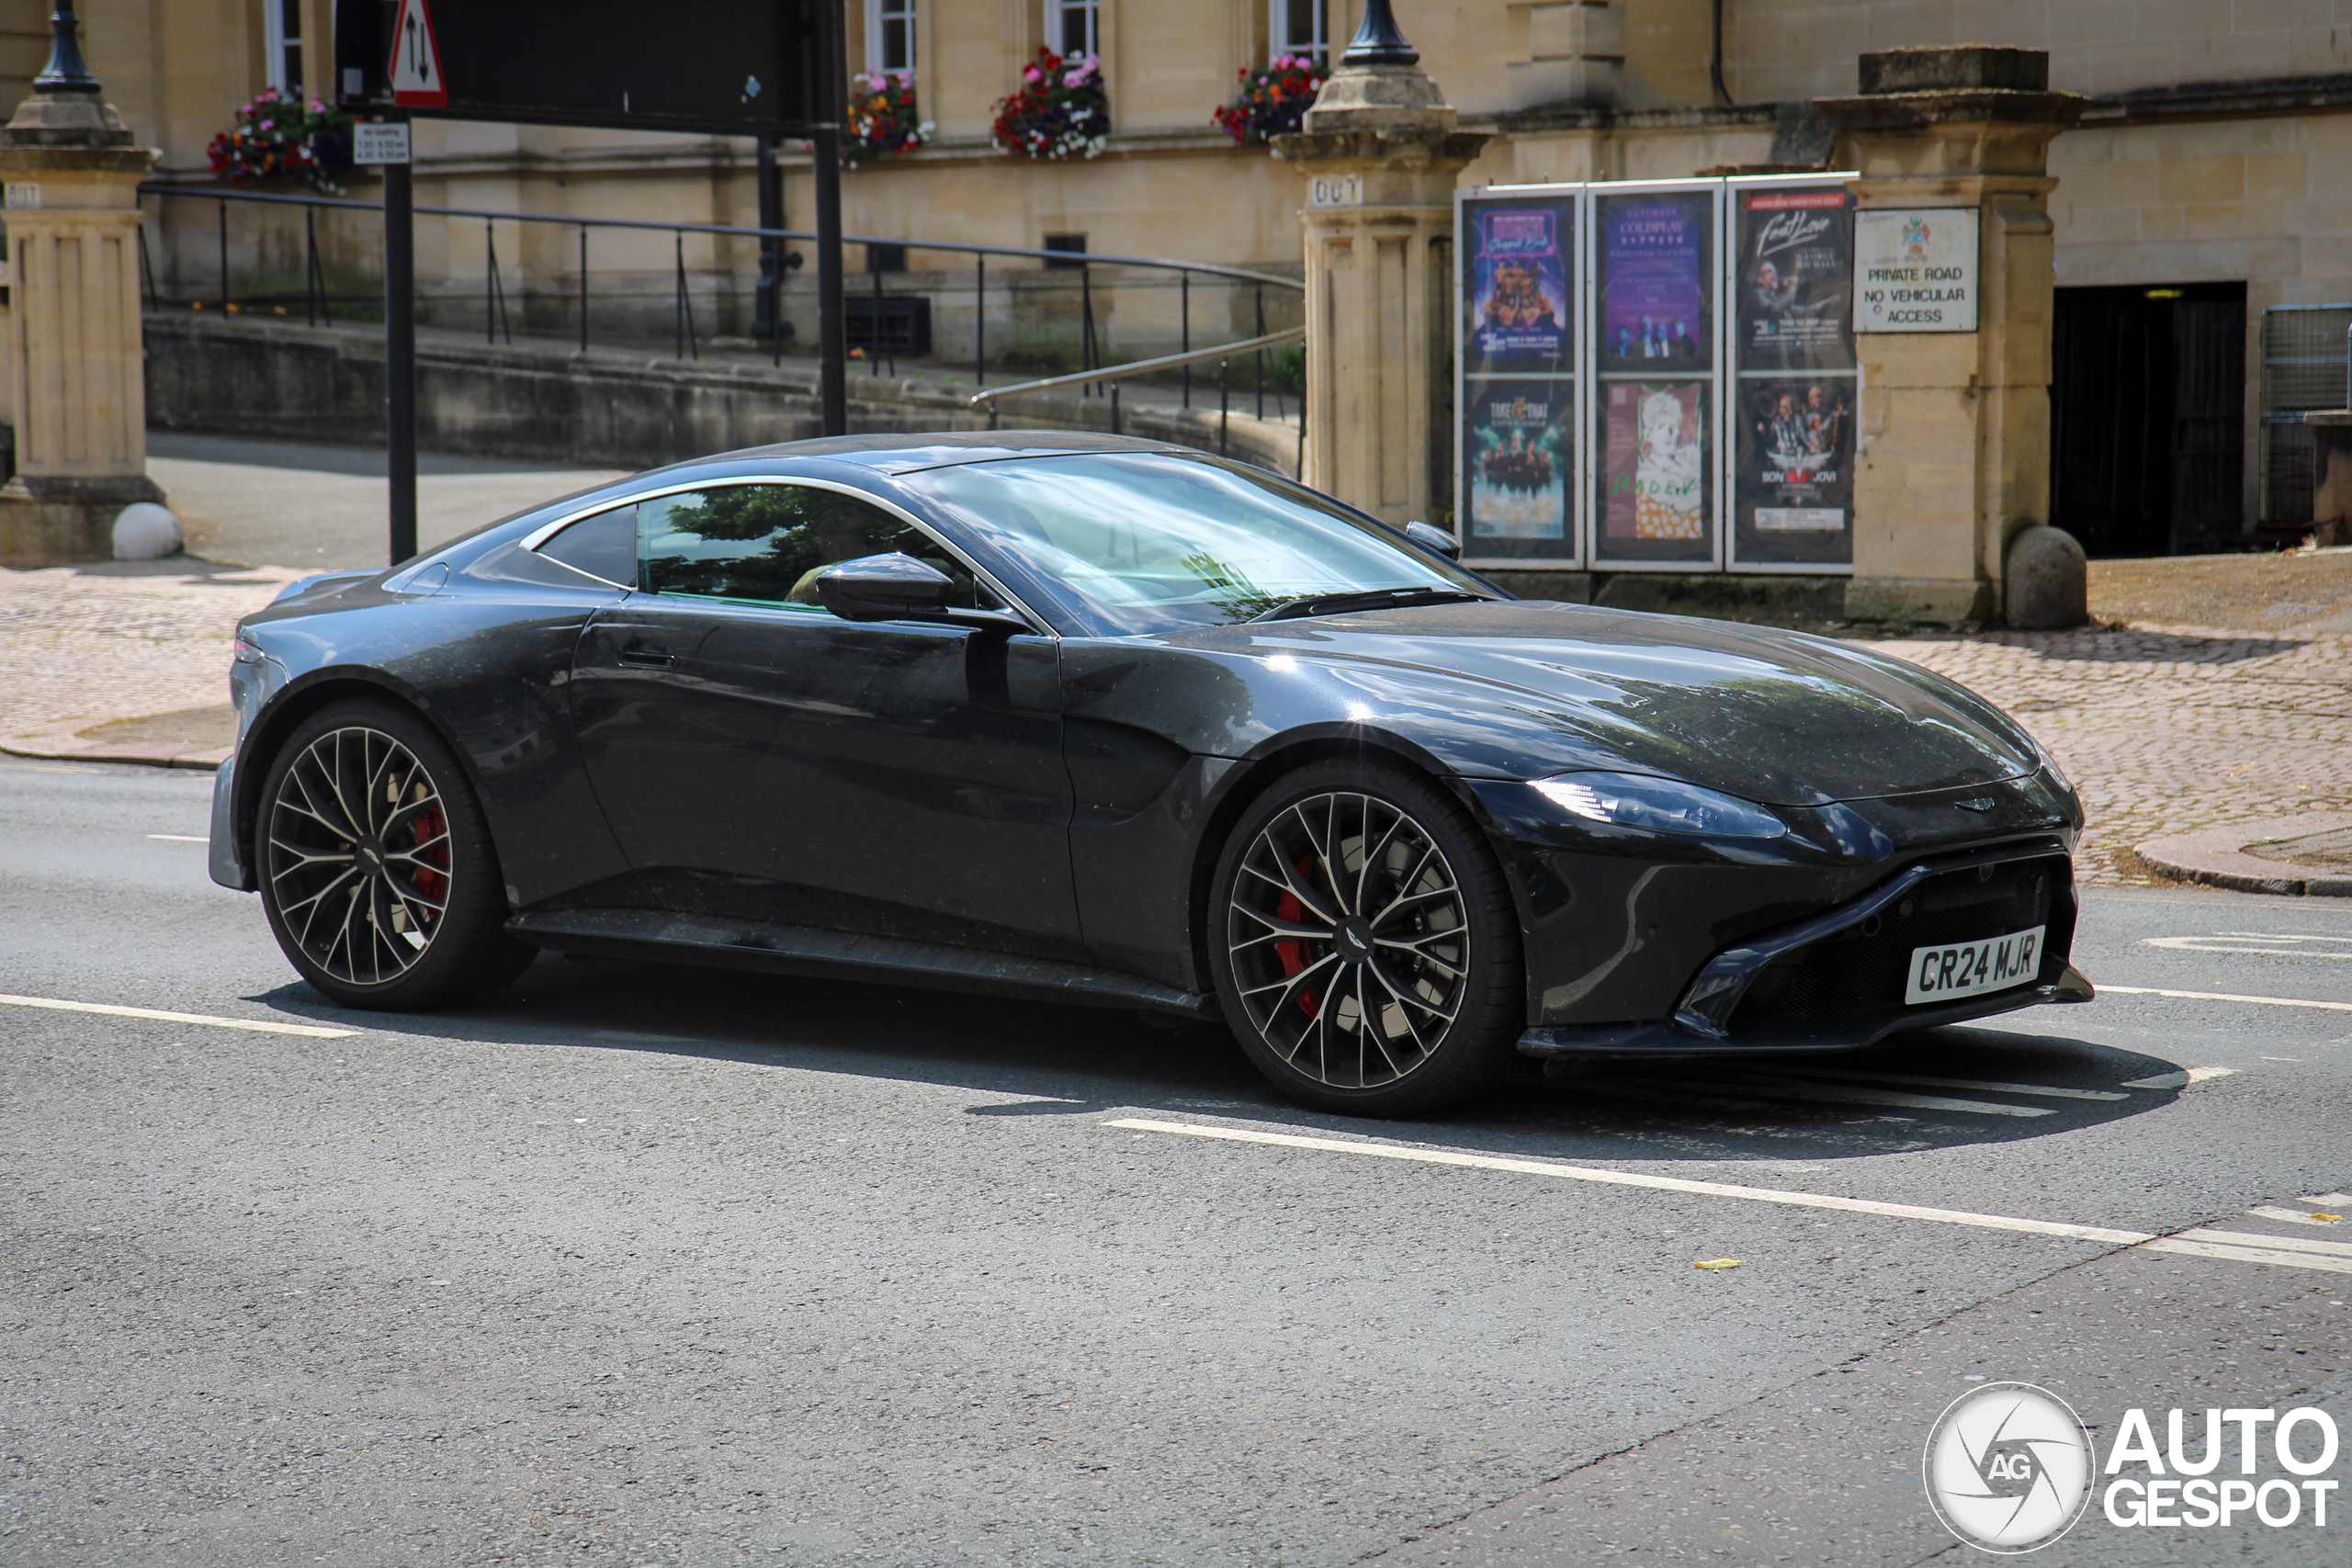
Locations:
(1430, 537)
(883, 588)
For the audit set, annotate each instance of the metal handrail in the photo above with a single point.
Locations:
(1073, 260)
(1139, 367)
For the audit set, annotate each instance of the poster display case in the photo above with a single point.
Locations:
(1794, 384)
(1516, 453)
(1656, 375)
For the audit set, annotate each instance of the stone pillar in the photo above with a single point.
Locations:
(1380, 152)
(78, 386)
(1954, 448)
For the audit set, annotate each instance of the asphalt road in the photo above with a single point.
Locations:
(637, 1265)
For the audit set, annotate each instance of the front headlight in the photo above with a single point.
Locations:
(2049, 765)
(1660, 805)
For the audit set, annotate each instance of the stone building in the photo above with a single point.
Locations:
(2204, 190)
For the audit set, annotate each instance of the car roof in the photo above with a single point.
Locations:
(901, 454)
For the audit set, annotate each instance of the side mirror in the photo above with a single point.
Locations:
(1434, 538)
(897, 587)
(883, 588)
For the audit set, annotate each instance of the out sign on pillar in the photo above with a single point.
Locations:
(1335, 190)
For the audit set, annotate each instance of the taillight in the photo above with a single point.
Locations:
(247, 652)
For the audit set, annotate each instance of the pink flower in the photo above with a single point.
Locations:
(1029, 73)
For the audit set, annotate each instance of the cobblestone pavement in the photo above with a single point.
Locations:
(2165, 730)
(87, 646)
(2168, 729)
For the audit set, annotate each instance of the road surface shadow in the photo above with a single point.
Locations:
(1942, 1088)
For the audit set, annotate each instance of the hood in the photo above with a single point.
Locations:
(1777, 717)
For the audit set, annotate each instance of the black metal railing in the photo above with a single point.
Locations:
(882, 319)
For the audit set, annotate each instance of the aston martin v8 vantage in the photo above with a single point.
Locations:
(1108, 721)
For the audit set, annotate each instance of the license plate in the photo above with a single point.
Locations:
(1973, 968)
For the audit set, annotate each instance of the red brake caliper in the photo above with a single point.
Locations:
(433, 833)
(1292, 950)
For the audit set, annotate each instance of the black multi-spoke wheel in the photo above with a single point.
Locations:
(375, 870)
(1365, 950)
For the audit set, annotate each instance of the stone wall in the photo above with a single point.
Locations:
(274, 381)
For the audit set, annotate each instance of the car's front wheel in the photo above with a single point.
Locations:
(1364, 944)
(376, 869)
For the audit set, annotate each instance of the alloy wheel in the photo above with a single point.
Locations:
(1348, 940)
(359, 855)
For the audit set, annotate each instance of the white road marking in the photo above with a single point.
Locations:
(2329, 1198)
(256, 1025)
(2180, 1079)
(2045, 1090)
(1851, 1094)
(2293, 1217)
(2224, 996)
(2234, 941)
(2252, 1255)
(1628, 1178)
(2283, 1242)
(182, 838)
(2283, 1251)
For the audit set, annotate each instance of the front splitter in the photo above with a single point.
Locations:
(1666, 1039)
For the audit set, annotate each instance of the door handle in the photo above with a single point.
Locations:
(646, 657)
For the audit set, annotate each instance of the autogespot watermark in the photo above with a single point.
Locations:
(2010, 1468)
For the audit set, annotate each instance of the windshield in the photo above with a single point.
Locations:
(1149, 541)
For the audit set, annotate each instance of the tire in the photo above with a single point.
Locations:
(1385, 983)
(376, 867)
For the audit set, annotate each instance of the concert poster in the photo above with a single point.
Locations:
(1656, 452)
(1517, 455)
(1519, 301)
(1795, 279)
(1793, 486)
(1656, 255)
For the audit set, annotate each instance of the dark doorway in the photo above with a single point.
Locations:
(2147, 418)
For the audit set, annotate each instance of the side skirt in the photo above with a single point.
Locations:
(844, 955)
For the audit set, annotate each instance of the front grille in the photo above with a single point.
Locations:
(1862, 968)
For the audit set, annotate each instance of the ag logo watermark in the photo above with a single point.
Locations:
(2008, 1467)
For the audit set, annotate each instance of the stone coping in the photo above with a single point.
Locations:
(2219, 857)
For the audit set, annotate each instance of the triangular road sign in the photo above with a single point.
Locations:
(416, 60)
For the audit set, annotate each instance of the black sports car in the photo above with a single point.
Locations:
(1109, 721)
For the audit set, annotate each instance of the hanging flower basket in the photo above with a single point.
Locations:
(1061, 110)
(883, 122)
(277, 138)
(1273, 96)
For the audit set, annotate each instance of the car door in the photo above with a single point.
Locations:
(760, 758)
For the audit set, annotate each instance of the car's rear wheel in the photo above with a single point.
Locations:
(376, 870)
(1364, 944)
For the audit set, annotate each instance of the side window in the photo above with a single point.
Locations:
(602, 545)
(765, 544)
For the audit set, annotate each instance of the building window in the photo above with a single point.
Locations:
(1300, 27)
(1073, 245)
(281, 27)
(890, 38)
(1074, 26)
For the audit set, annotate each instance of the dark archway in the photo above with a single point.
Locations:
(2147, 418)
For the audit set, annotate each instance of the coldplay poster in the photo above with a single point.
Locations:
(1654, 460)
(1518, 454)
(1794, 485)
(1657, 253)
(1520, 303)
(1795, 279)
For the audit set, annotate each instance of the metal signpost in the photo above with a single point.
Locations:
(760, 68)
